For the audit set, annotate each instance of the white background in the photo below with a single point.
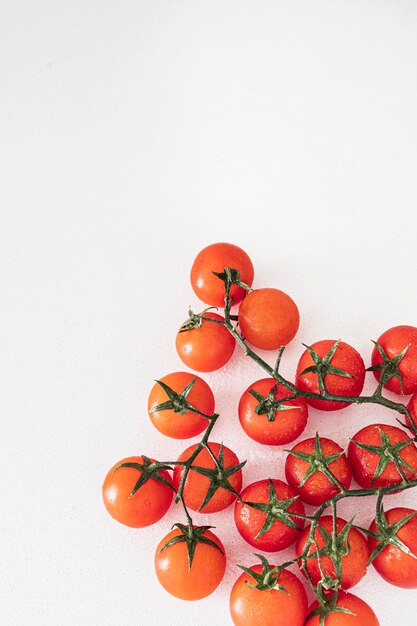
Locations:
(132, 134)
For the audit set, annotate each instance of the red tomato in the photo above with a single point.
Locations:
(268, 318)
(215, 258)
(317, 487)
(264, 519)
(394, 564)
(136, 508)
(217, 484)
(360, 614)
(343, 372)
(353, 548)
(268, 607)
(207, 348)
(204, 575)
(373, 467)
(393, 342)
(267, 421)
(174, 421)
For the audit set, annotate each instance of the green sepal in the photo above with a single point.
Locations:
(322, 366)
(195, 320)
(268, 405)
(318, 461)
(267, 580)
(232, 277)
(274, 509)
(191, 535)
(387, 534)
(147, 471)
(389, 368)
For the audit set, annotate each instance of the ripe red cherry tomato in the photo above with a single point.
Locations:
(394, 564)
(354, 562)
(197, 486)
(206, 572)
(317, 488)
(175, 422)
(360, 614)
(207, 348)
(345, 372)
(146, 505)
(268, 318)
(373, 467)
(264, 519)
(393, 342)
(215, 258)
(270, 607)
(267, 421)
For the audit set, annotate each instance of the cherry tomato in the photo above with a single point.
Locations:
(360, 614)
(141, 507)
(317, 487)
(207, 348)
(268, 607)
(264, 519)
(393, 342)
(175, 422)
(343, 372)
(268, 318)
(353, 548)
(222, 486)
(204, 575)
(394, 564)
(266, 420)
(215, 258)
(373, 467)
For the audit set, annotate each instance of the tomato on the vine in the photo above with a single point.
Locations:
(166, 409)
(268, 318)
(395, 358)
(334, 365)
(207, 346)
(172, 563)
(397, 562)
(351, 546)
(135, 494)
(381, 455)
(211, 485)
(359, 613)
(216, 258)
(264, 606)
(267, 420)
(305, 468)
(265, 515)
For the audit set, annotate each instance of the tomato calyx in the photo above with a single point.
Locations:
(322, 366)
(318, 462)
(195, 320)
(230, 276)
(192, 536)
(274, 510)
(267, 579)
(147, 470)
(389, 368)
(326, 607)
(268, 405)
(388, 452)
(218, 476)
(178, 401)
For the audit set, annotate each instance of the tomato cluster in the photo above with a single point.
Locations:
(271, 514)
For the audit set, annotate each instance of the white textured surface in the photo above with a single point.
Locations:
(134, 133)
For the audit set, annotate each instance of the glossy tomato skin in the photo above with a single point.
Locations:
(394, 565)
(268, 318)
(354, 564)
(148, 505)
(393, 341)
(207, 348)
(361, 613)
(205, 575)
(196, 485)
(287, 425)
(317, 489)
(178, 425)
(249, 521)
(345, 358)
(215, 258)
(253, 607)
(364, 463)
